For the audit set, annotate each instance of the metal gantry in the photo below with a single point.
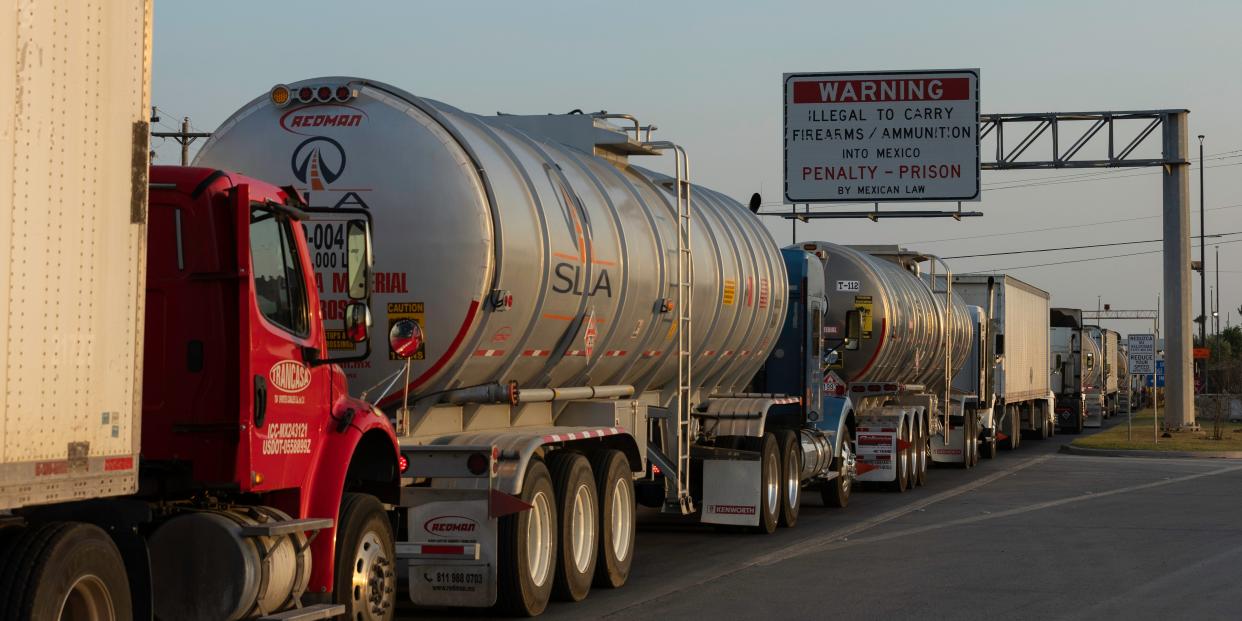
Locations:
(1068, 149)
(1028, 128)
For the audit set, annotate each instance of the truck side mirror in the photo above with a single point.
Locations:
(1058, 368)
(1000, 344)
(357, 322)
(358, 252)
(853, 329)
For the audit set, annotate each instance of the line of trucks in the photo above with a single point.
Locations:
(222, 400)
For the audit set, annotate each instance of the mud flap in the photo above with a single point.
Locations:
(450, 547)
(731, 490)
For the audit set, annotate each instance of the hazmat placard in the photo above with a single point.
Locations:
(882, 136)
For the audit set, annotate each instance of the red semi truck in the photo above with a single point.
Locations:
(175, 440)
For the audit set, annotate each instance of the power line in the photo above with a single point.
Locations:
(1112, 256)
(1054, 228)
(1124, 243)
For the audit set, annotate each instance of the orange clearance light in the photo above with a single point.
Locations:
(280, 94)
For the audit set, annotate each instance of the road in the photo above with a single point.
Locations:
(1033, 534)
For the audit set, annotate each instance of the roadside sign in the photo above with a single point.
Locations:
(882, 136)
(1142, 354)
(1202, 353)
(1159, 375)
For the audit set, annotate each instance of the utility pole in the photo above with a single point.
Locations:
(1179, 412)
(1203, 307)
(185, 137)
(1216, 305)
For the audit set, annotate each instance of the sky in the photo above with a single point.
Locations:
(709, 74)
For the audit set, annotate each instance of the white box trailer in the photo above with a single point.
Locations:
(73, 191)
(1017, 396)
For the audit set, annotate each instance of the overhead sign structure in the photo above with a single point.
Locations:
(890, 136)
(1142, 354)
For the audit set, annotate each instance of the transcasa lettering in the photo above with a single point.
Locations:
(865, 91)
(290, 375)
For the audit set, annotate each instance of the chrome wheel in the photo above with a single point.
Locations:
(582, 538)
(373, 578)
(621, 519)
(793, 482)
(88, 600)
(539, 540)
(772, 487)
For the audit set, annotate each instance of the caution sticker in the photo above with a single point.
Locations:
(863, 304)
(408, 310)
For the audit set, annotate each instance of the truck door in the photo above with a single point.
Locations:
(286, 392)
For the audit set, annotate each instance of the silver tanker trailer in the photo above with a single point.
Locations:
(914, 335)
(1075, 372)
(1109, 344)
(567, 331)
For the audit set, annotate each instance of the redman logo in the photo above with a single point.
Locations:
(290, 376)
(316, 117)
(450, 526)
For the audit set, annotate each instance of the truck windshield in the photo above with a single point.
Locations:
(277, 274)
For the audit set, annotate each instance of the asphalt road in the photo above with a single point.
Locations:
(1031, 535)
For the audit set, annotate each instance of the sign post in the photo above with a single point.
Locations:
(1142, 362)
(882, 136)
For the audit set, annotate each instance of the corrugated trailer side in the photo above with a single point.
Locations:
(1026, 341)
(73, 221)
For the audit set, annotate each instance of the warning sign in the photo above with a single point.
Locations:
(884, 136)
(863, 304)
(408, 310)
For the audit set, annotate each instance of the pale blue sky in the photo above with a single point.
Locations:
(709, 75)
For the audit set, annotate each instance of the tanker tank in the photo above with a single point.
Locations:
(528, 248)
(903, 336)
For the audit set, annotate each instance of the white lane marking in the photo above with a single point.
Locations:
(814, 544)
(830, 539)
(1029, 508)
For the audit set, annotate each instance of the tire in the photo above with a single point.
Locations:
(974, 439)
(64, 570)
(615, 490)
(577, 509)
(769, 482)
(836, 493)
(902, 480)
(525, 581)
(1042, 431)
(967, 462)
(923, 456)
(1078, 422)
(791, 477)
(1014, 425)
(365, 574)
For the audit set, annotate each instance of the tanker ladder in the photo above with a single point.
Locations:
(678, 498)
